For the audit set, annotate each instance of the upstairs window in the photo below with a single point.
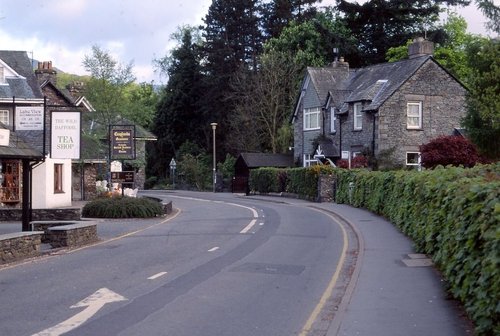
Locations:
(414, 115)
(311, 118)
(4, 117)
(358, 116)
(333, 119)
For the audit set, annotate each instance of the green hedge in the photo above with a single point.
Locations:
(122, 207)
(452, 214)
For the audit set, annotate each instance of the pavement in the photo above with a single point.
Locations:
(394, 291)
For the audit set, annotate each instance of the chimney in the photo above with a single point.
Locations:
(420, 47)
(46, 72)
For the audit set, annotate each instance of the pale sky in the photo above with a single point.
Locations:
(63, 31)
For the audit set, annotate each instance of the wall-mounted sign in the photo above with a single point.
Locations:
(122, 142)
(29, 118)
(65, 135)
(4, 137)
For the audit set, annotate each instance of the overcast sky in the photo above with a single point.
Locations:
(63, 31)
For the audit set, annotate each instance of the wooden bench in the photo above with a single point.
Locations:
(19, 245)
(73, 235)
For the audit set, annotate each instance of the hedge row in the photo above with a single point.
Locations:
(452, 214)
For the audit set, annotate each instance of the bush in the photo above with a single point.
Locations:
(122, 207)
(449, 150)
(452, 214)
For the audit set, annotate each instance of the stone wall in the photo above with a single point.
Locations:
(73, 235)
(443, 106)
(15, 214)
(326, 188)
(19, 245)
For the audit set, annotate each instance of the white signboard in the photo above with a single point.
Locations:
(4, 137)
(29, 118)
(65, 135)
(345, 155)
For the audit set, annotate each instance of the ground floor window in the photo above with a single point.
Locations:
(413, 160)
(58, 178)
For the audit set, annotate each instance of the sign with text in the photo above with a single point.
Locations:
(122, 142)
(122, 177)
(29, 118)
(65, 135)
(4, 137)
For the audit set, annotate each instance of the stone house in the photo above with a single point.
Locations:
(384, 111)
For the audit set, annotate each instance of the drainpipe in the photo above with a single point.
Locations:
(373, 136)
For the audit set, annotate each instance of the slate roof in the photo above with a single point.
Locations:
(373, 84)
(18, 148)
(20, 87)
(256, 160)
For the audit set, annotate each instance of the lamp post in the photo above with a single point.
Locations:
(173, 166)
(214, 126)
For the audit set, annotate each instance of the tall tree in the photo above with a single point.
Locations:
(483, 116)
(451, 52)
(179, 115)
(107, 84)
(233, 41)
(312, 42)
(492, 12)
(265, 101)
(277, 14)
(379, 25)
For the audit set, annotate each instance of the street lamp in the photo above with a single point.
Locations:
(173, 166)
(214, 126)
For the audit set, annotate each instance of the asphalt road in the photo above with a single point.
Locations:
(222, 265)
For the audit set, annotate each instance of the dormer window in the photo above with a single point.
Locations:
(358, 116)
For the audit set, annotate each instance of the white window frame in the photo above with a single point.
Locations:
(358, 116)
(413, 120)
(309, 160)
(311, 118)
(5, 117)
(333, 119)
(417, 164)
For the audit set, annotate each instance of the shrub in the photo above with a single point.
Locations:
(449, 150)
(359, 161)
(122, 207)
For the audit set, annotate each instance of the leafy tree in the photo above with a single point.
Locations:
(107, 84)
(483, 114)
(451, 52)
(449, 150)
(379, 25)
(312, 42)
(141, 100)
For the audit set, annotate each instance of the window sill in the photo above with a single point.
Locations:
(312, 129)
(357, 130)
(59, 192)
(414, 129)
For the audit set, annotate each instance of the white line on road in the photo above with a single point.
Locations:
(249, 226)
(156, 276)
(213, 249)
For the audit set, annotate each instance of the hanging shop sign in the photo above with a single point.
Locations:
(122, 142)
(65, 135)
(29, 118)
